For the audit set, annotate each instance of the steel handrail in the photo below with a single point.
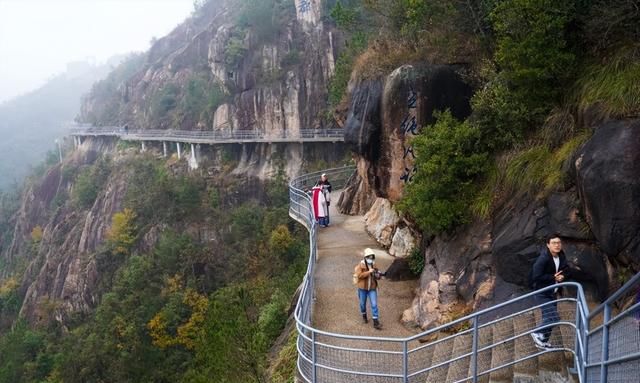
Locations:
(614, 297)
(300, 210)
(599, 359)
(168, 134)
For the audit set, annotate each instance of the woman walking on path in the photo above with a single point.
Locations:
(320, 206)
(324, 183)
(367, 276)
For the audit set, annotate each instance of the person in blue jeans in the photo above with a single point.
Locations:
(549, 268)
(368, 275)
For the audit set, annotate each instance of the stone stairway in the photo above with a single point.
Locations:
(361, 357)
(510, 342)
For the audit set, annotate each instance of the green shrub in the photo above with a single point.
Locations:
(346, 16)
(260, 15)
(150, 195)
(416, 261)
(20, 351)
(526, 170)
(501, 118)
(273, 316)
(448, 162)
(201, 98)
(532, 51)
(538, 169)
(344, 65)
(186, 192)
(284, 366)
(613, 86)
(235, 50)
(90, 182)
(482, 204)
(164, 100)
(214, 198)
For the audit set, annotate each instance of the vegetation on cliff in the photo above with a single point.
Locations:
(544, 71)
(179, 308)
(177, 84)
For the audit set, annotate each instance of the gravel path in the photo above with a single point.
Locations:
(340, 248)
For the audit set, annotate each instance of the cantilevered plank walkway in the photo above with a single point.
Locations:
(340, 248)
(210, 136)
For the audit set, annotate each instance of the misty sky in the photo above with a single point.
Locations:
(39, 37)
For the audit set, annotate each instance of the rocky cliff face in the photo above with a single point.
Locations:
(384, 115)
(65, 270)
(220, 72)
(273, 74)
(489, 260)
(60, 274)
(272, 78)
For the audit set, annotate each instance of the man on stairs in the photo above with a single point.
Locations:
(368, 275)
(549, 268)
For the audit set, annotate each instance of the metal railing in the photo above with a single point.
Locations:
(209, 136)
(486, 342)
(614, 338)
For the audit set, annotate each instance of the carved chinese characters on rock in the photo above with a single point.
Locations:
(304, 6)
(408, 128)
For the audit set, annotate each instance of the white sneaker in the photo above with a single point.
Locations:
(537, 339)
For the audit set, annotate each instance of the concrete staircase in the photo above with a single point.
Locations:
(506, 341)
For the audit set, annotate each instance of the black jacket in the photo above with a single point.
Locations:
(326, 185)
(544, 270)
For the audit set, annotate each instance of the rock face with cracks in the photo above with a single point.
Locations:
(272, 83)
(269, 80)
(597, 214)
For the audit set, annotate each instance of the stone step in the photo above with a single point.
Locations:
(441, 353)
(460, 368)
(485, 338)
(567, 333)
(525, 371)
(420, 359)
(503, 351)
(552, 361)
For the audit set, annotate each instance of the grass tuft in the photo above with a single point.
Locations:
(613, 88)
(483, 203)
(539, 170)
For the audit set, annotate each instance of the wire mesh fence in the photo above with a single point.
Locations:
(493, 344)
(614, 341)
(206, 136)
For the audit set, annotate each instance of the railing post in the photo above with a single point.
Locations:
(474, 351)
(405, 362)
(605, 343)
(313, 356)
(579, 351)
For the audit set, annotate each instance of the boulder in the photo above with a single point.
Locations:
(518, 232)
(457, 271)
(381, 221)
(608, 180)
(399, 271)
(384, 115)
(362, 128)
(565, 217)
(403, 242)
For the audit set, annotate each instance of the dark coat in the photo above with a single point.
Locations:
(326, 185)
(544, 270)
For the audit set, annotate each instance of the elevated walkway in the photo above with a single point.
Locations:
(209, 136)
(492, 345)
